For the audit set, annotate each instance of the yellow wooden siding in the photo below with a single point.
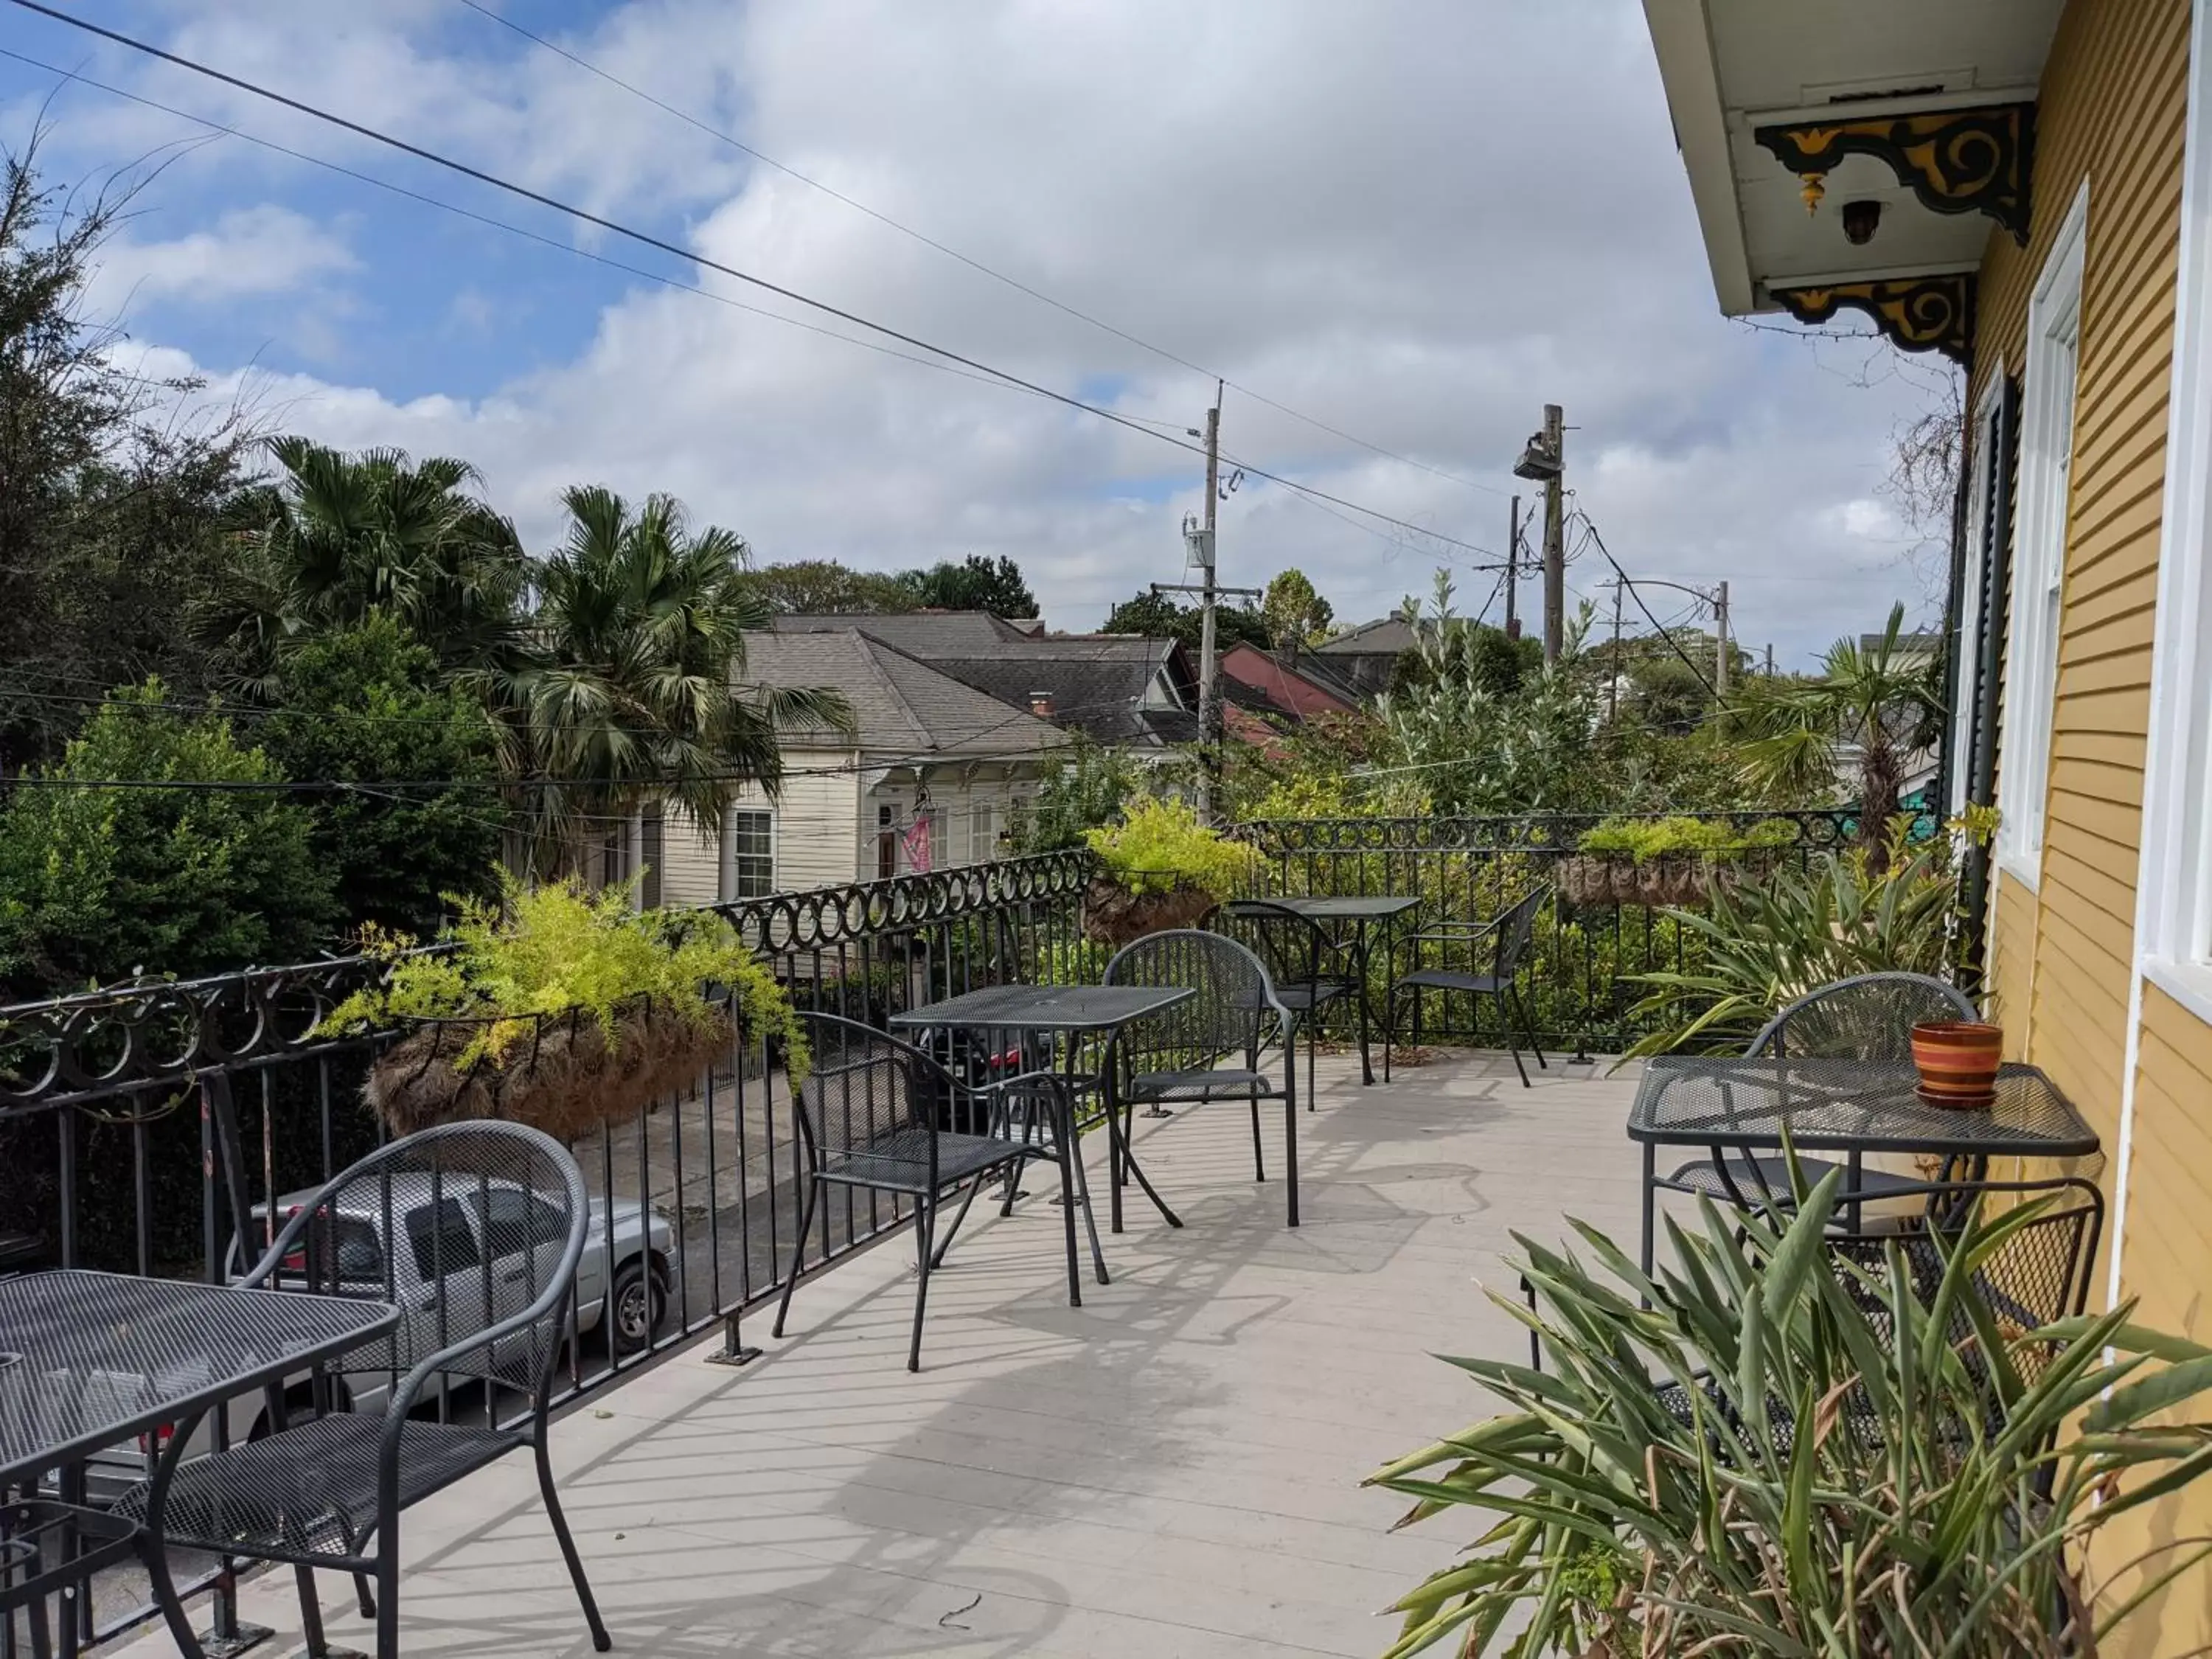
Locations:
(2166, 1262)
(2112, 111)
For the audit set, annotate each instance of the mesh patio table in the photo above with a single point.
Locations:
(1073, 1012)
(92, 1359)
(1848, 1106)
(1361, 912)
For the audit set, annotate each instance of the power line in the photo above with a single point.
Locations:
(485, 219)
(997, 276)
(1600, 542)
(662, 245)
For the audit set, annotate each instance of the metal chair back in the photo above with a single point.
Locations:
(474, 1231)
(1296, 950)
(867, 1091)
(1517, 931)
(1869, 1016)
(2038, 1275)
(1233, 1004)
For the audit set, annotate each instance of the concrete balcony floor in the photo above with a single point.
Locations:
(1169, 1471)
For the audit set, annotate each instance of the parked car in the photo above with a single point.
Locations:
(446, 1244)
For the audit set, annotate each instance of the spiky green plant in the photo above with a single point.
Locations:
(1861, 1467)
(1754, 951)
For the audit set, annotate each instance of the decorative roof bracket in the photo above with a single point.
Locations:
(1914, 313)
(1954, 160)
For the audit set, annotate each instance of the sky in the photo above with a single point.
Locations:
(1412, 222)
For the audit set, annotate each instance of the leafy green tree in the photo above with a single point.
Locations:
(822, 587)
(1084, 786)
(976, 584)
(1295, 614)
(112, 510)
(1475, 749)
(1876, 703)
(1161, 616)
(98, 884)
(349, 536)
(366, 705)
(630, 687)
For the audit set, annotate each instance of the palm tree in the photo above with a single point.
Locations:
(347, 535)
(629, 689)
(1873, 699)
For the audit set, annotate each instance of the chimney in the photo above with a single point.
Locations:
(1040, 704)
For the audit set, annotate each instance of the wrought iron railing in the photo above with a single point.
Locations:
(108, 1158)
(1579, 979)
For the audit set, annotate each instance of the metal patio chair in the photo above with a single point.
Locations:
(878, 1114)
(1475, 959)
(489, 1305)
(1869, 1016)
(1174, 1056)
(2038, 1275)
(1308, 966)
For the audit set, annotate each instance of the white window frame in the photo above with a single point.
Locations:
(982, 830)
(2174, 885)
(730, 815)
(2039, 575)
(1973, 578)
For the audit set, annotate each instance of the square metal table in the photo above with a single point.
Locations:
(92, 1359)
(1072, 1012)
(1363, 911)
(1848, 1106)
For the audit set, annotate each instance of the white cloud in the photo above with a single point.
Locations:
(249, 253)
(1418, 225)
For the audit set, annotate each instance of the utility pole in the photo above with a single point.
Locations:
(1721, 668)
(1543, 459)
(1513, 572)
(1769, 660)
(1612, 668)
(1555, 538)
(1209, 711)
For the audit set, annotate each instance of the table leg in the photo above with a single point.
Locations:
(1125, 1156)
(1650, 1194)
(1359, 956)
(152, 1549)
(1856, 1165)
(1074, 1169)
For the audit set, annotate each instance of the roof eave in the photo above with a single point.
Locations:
(1683, 40)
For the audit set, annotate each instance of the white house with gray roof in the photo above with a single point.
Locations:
(928, 779)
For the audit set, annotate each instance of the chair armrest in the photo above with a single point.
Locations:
(409, 1390)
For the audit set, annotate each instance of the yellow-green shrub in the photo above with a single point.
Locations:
(1160, 846)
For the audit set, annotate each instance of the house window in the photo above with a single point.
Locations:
(2047, 460)
(651, 839)
(982, 832)
(1989, 489)
(749, 836)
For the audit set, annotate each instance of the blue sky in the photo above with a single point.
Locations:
(1334, 209)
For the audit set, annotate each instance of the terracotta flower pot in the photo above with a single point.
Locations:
(1958, 1061)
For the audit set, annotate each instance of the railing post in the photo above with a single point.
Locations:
(733, 1350)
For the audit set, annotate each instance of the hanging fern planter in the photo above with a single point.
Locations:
(563, 1010)
(567, 1075)
(1159, 868)
(1667, 862)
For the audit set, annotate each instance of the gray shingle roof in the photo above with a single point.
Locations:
(902, 706)
(1097, 681)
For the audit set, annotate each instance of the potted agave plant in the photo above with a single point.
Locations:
(1771, 1449)
(559, 1009)
(1160, 868)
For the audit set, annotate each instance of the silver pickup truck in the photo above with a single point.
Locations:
(487, 1228)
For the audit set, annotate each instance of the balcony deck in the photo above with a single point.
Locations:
(1171, 1469)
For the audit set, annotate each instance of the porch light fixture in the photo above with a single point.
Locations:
(1860, 221)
